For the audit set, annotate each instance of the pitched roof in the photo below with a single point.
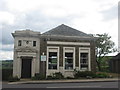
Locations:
(65, 31)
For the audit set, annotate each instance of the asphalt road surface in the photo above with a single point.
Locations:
(65, 85)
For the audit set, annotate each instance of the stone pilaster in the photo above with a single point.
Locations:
(18, 67)
(33, 66)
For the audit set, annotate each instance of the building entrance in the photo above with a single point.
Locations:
(26, 68)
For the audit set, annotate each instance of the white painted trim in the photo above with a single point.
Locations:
(55, 49)
(73, 50)
(28, 54)
(68, 43)
(85, 50)
(69, 36)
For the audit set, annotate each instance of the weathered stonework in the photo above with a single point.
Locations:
(28, 52)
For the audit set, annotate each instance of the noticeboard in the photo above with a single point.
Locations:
(43, 57)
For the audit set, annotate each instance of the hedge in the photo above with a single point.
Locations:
(56, 75)
(84, 74)
(38, 76)
(6, 73)
(90, 74)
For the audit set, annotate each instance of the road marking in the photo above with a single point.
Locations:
(75, 87)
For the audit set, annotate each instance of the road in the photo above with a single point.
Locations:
(66, 85)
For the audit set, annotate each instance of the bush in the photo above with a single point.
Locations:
(69, 78)
(13, 79)
(38, 76)
(6, 73)
(102, 75)
(58, 75)
(84, 74)
(49, 77)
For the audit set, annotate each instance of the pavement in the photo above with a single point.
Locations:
(28, 81)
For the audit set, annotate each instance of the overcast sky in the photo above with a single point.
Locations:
(89, 16)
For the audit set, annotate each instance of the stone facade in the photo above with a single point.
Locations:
(63, 52)
(26, 50)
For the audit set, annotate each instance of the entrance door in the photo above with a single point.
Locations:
(26, 68)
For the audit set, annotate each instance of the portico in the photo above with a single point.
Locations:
(25, 63)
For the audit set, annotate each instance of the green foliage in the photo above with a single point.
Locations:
(105, 63)
(6, 64)
(6, 73)
(56, 75)
(38, 76)
(104, 46)
(84, 74)
(69, 78)
(13, 79)
(90, 74)
(49, 77)
(102, 75)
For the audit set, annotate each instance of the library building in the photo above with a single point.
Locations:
(61, 49)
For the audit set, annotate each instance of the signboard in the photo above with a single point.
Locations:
(43, 57)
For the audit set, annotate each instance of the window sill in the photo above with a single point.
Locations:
(71, 70)
(84, 70)
(53, 70)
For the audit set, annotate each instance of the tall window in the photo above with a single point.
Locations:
(34, 43)
(19, 43)
(52, 60)
(84, 61)
(68, 60)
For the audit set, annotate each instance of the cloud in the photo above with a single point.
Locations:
(6, 55)
(3, 5)
(34, 20)
(8, 47)
(111, 13)
(43, 15)
(6, 17)
(6, 34)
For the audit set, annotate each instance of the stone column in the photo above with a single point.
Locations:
(15, 67)
(14, 64)
(18, 66)
(33, 66)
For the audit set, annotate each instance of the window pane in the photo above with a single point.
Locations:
(84, 60)
(34, 43)
(68, 60)
(52, 60)
(19, 42)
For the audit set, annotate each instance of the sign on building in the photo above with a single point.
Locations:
(43, 57)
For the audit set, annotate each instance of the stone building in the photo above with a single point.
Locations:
(61, 49)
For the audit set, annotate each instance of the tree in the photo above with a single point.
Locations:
(104, 46)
